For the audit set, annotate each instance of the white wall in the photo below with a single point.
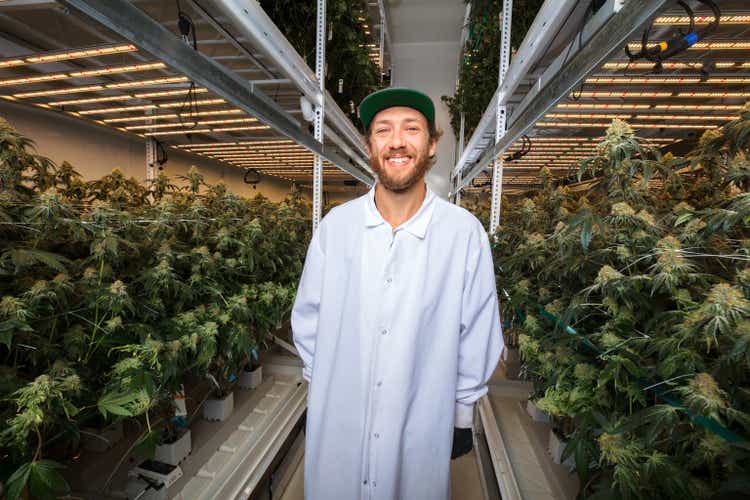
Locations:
(95, 151)
(425, 36)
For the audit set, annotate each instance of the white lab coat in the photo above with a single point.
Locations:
(399, 332)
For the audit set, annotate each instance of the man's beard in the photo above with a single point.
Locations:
(420, 168)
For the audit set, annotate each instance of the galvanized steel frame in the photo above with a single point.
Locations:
(133, 24)
(607, 35)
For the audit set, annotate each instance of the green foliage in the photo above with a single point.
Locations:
(631, 305)
(479, 69)
(112, 294)
(347, 51)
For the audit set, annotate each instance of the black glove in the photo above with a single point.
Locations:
(462, 442)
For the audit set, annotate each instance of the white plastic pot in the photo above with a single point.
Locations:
(218, 409)
(174, 453)
(555, 447)
(100, 440)
(251, 380)
(535, 413)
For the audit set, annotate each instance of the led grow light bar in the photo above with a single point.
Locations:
(175, 132)
(588, 115)
(93, 88)
(635, 46)
(124, 97)
(686, 117)
(621, 94)
(642, 80)
(603, 106)
(82, 74)
(68, 55)
(700, 20)
(71, 90)
(203, 102)
(237, 129)
(198, 145)
(698, 107)
(634, 125)
(650, 65)
(713, 94)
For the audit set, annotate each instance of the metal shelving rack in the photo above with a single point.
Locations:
(569, 47)
(248, 83)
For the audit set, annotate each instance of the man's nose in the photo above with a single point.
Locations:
(397, 140)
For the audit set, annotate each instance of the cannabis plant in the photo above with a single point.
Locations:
(633, 309)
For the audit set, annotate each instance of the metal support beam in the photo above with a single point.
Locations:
(132, 23)
(497, 174)
(318, 121)
(542, 31)
(599, 40)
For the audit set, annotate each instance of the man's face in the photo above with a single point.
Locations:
(400, 147)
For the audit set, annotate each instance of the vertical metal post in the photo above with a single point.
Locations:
(382, 49)
(497, 174)
(461, 134)
(320, 63)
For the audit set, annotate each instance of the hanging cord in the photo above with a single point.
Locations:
(525, 149)
(188, 112)
(678, 43)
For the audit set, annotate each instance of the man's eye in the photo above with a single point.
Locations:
(413, 129)
(381, 130)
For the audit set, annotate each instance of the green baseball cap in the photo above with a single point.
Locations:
(387, 98)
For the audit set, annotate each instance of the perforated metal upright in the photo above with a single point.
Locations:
(497, 174)
(320, 64)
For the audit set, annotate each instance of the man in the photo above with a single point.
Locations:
(396, 320)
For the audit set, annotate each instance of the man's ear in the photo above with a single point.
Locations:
(433, 148)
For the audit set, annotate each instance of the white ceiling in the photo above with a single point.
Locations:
(424, 21)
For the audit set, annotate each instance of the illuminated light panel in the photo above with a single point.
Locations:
(117, 69)
(235, 129)
(650, 65)
(199, 102)
(587, 115)
(72, 90)
(33, 79)
(728, 80)
(699, 107)
(685, 117)
(622, 94)
(159, 125)
(732, 64)
(636, 46)
(713, 94)
(603, 106)
(91, 100)
(700, 20)
(634, 125)
(80, 54)
(229, 120)
(641, 80)
(9, 63)
(139, 118)
(82, 74)
(167, 93)
(175, 132)
(122, 109)
(233, 143)
(147, 83)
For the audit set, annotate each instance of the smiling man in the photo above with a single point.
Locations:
(396, 320)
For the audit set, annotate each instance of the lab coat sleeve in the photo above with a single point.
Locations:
(481, 339)
(305, 311)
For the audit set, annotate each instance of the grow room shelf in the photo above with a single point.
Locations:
(123, 65)
(568, 94)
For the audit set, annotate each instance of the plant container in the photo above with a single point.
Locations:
(555, 447)
(102, 439)
(251, 379)
(218, 409)
(511, 355)
(175, 452)
(535, 413)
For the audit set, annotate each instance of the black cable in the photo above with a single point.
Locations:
(189, 106)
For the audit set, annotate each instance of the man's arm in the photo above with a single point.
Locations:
(481, 340)
(307, 304)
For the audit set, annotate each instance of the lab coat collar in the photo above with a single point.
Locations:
(416, 225)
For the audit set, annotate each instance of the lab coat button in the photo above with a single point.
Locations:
(377, 435)
(383, 331)
(380, 383)
(388, 281)
(365, 481)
